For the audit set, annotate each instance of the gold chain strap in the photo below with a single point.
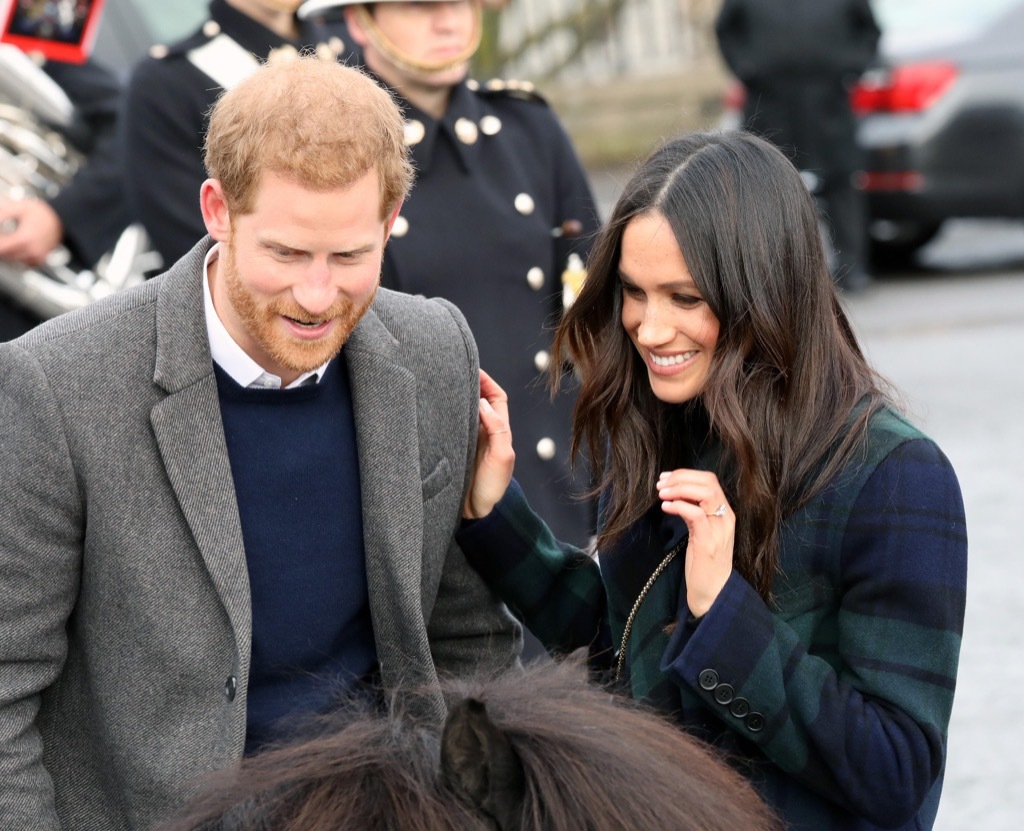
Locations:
(636, 606)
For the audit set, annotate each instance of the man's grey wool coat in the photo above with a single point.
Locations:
(124, 597)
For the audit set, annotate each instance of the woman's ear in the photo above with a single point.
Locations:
(479, 765)
(215, 210)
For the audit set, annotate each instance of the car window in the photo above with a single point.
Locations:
(912, 23)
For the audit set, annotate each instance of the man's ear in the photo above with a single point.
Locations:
(480, 766)
(355, 28)
(391, 220)
(215, 210)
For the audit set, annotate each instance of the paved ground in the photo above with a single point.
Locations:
(953, 340)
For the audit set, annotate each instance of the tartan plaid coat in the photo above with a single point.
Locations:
(835, 699)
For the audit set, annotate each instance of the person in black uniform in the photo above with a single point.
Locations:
(797, 60)
(500, 210)
(88, 214)
(171, 92)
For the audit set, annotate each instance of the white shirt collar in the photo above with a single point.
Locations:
(229, 356)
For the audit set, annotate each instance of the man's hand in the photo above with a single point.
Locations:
(35, 230)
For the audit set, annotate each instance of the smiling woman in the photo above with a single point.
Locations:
(781, 562)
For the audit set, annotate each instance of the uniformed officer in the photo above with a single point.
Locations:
(500, 210)
(171, 92)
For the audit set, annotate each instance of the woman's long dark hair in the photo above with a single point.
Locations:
(786, 375)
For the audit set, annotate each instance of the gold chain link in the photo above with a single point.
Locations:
(636, 606)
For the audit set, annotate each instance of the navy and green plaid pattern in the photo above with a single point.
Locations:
(836, 699)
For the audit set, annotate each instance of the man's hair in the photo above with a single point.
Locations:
(321, 123)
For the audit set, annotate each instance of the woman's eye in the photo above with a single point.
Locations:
(687, 301)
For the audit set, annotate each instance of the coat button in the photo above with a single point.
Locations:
(230, 687)
(724, 693)
(467, 131)
(739, 707)
(535, 277)
(414, 132)
(490, 125)
(755, 722)
(708, 679)
(542, 360)
(524, 204)
(400, 228)
(211, 28)
(337, 45)
(546, 449)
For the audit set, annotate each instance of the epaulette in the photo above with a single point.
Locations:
(499, 87)
(209, 30)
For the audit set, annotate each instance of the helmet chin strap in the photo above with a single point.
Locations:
(420, 69)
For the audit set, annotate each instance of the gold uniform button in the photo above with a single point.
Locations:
(325, 53)
(546, 449)
(535, 277)
(473, 84)
(400, 228)
(542, 360)
(496, 84)
(414, 132)
(524, 204)
(211, 28)
(490, 125)
(467, 131)
(287, 52)
(336, 44)
(158, 51)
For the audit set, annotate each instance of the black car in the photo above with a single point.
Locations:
(942, 118)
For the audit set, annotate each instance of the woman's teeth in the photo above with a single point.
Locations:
(671, 360)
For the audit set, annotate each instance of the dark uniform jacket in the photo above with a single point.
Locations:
(496, 179)
(168, 100)
(834, 699)
(797, 59)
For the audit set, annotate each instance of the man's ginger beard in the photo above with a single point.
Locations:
(261, 319)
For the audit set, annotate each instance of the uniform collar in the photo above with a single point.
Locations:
(463, 108)
(255, 37)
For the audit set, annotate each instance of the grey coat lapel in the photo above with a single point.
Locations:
(190, 434)
(384, 396)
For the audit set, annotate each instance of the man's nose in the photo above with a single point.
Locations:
(316, 291)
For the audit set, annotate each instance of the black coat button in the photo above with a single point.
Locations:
(755, 722)
(230, 687)
(708, 679)
(739, 707)
(724, 693)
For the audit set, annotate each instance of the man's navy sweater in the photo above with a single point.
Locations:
(295, 466)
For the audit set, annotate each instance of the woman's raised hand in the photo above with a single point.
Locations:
(495, 458)
(697, 498)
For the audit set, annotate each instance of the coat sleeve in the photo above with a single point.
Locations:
(162, 133)
(40, 532)
(865, 729)
(553, 587)
(92, 205)
(470, 629)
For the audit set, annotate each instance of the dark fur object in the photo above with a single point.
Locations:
(538, 750)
